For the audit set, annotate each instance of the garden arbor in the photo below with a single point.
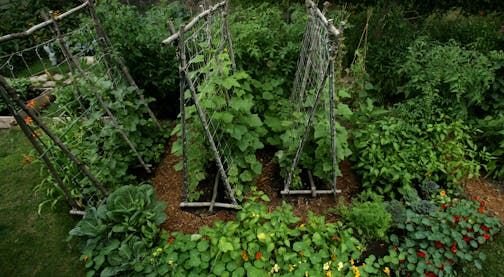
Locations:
(71, 59)
(206, 40)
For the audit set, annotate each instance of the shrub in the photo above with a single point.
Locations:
(137, 36)
(392, 154)
(119, 233)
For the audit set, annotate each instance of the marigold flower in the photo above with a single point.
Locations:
(258, 255)
(244, 256)
(328, 274)
(421, 254)
(28, 120)
(442, 193)
(386, 270)
(486, 236)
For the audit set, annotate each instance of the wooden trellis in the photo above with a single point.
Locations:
(114, 67)
(189, 38)
(315, 68)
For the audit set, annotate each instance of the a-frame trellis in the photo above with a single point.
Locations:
(206, 35)
(31, 119)
(315, 73)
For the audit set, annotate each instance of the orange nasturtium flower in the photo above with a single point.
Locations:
(28, 120)
(258, 255)
(31, 104)
(386, 270)
(443, 193)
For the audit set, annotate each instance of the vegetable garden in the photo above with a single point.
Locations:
(381, 132)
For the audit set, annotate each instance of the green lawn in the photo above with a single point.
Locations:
(31, 244)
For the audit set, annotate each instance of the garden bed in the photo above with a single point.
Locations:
(168, 184)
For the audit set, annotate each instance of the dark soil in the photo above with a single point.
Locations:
(168, 184)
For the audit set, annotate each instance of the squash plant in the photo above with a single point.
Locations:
(119, 233)
(226, 97)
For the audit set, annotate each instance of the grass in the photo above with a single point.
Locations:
(31, 244)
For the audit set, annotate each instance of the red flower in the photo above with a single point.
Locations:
(481, 209)
(430, 274)
(454, 248)
(470, 230)
(402, 261)
(395, 249)
(428, 262)
(475, 198)
(335, 237)
(170, 240)
(421, 254)
(442, 266)
(486, 236)
(439, 244)
(466, 238)
(258, 255)
(450, 260)
(443, 207)
(456, 218)
(482, 203)
(484, 228)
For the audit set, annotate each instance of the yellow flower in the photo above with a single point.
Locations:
(352, 261)
(171, 262)
(327, 266)
(356, 271)
(275, 268)
(358, 247)
(328, 274)
(261, 236)
(291, 267)
(443, 193)
(386, 270)
(340, 266)
(302, 225)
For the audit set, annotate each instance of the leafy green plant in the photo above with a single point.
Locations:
(393, 153)
(262, 243)
(434, 243)
(94, 139)
(225, 95)
(370, 219)
(136, 35)
(119, 233)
